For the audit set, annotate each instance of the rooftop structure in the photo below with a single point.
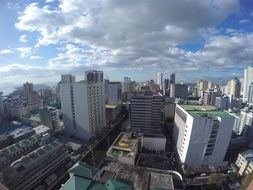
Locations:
(41, 129)
(15, 151)
(125, 147)
(140, 178)
(21, 133)
(85, 177)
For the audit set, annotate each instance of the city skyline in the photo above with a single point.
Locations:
(40, 41)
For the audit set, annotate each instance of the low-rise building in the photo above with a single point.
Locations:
(126, 147)
(85, 177)
(21, 133)
(245, 162)
(27, 171)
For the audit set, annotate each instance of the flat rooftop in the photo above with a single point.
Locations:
(126, 141)
(139, 177)
(160, 181)
(200, 110)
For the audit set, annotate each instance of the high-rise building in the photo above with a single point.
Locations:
(251, 94)
(248, 79)
(146, 113)
(202, 134)
(1, 104)
(30, 95)
(234, 87)
(159, 79)
(128, 85)
(179, 91)
(114, 93)
(172, 78)
(166, 84)
(202, 86)
(49, 117)
(83, 106)
(209, 98)
(94, 76)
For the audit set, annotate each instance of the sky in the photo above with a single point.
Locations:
(196, 39)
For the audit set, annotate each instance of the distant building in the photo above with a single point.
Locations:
(1, 104)
(245, 162)
(49, 116)
(30, 95)
(159, 79)
(234, 88)
(248, 79)
(251, 94)
(126, 147)
(83, 106)
(173, 78)
(128, 88)
(114, 93)
(94, 76)
(202, 86)
(222, 102)
(179, 91)
(209, 98)
(202, 135)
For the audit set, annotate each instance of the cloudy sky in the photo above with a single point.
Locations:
(196, 39)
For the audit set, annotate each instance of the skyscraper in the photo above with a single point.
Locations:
(202, 86)
(83, 106)
(234, 87)
(172, 78)
(248, 79)
(159, 79)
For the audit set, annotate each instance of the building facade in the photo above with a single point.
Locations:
(234, 88)
(49, 117)
(203, 127)
(244, 162)
(83, 107)
(179, 91)
(146, 113)
(248, 79)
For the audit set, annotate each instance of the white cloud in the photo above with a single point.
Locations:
(49, 1)
(244, 21)
(25, 51)
(6, 51)
(35, 57)
(23, 38)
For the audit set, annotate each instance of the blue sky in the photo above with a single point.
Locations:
(40, 40)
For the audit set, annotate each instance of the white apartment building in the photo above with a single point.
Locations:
(83, 106)
(202, 134)
(49, 116)
(245, 162)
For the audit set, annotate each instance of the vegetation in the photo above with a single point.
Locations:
(217, 179)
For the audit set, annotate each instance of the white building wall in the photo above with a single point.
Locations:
(248, 79)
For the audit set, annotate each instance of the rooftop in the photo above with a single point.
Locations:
(83, 178)
(201, 110)
(160, 181)
(20, 132)
(40, 129)
(110, 106)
